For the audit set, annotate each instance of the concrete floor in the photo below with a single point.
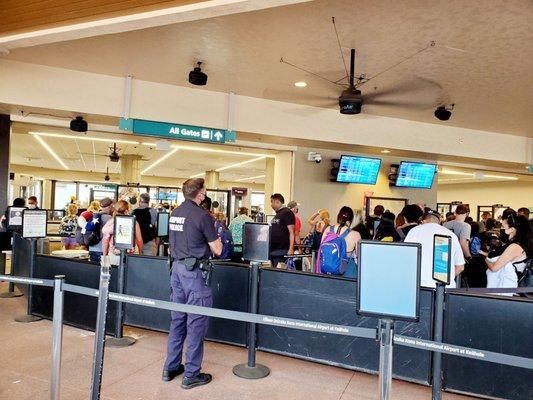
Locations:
(134, 373)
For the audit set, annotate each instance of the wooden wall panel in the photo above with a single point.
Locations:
(28, 15)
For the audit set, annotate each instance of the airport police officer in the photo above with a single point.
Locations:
(193, 240)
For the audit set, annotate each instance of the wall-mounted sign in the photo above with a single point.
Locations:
(34, 223)
(237, 191)
(176, 131)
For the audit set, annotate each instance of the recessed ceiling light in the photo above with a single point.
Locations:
(385, 151)
(300, 84)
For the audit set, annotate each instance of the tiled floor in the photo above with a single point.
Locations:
(134, 373)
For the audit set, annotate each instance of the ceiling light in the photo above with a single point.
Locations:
(240, 163)
(45, 145)
(300, 84)
(88, 138)
(385, 151)
(477, 175)
(197, 175)
(158, 161)
(510, 178)
(251, 177)
(211, 150)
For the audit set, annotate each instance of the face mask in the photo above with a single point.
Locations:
(32, 206)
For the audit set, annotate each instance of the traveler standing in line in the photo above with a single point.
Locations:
(412, 214)
(68, 227)
(372, 220)
(236, 227)
(359, 226)
(342, 229)
(293, 206)
(32, 203)
(424, 234)
(98, 222)
(122, 207)
(524, 211)
(281, 231)
(461, 228)
(503, 270)
(318, 222)
(147, 219)
(485, 215)
(386, 232)
(193, 239)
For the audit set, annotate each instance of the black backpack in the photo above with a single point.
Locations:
(144, 218)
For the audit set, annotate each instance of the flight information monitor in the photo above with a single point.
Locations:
(353, 169)
(388, 280)
(441, 258)
(416, 175)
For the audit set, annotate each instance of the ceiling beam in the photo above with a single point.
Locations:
(28, 23)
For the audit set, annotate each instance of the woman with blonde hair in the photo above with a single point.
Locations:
(68, 227)
(94, 207)
(319, 221)
(122, 207)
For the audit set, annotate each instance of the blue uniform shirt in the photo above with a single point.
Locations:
(191, 229)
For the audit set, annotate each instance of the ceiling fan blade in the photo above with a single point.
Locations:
(418, 84)
(398, 103)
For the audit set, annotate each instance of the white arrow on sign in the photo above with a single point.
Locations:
(218, 136)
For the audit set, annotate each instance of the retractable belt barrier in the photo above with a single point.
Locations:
(291, 323)
(528, 289)
(369, 333)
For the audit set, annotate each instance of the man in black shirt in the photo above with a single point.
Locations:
(281, 231)
(192, 237)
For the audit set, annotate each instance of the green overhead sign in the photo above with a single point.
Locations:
(176, 131)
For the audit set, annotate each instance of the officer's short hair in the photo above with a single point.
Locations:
(191, 187)
(278, 196)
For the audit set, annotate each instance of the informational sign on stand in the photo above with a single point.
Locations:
(124, 232)
(163, 219)
(389, 280)
(441, 258)
(256, 242)
(14, 217)
(34, 223)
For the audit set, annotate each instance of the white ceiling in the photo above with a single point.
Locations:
(92, 156)
(490, 81)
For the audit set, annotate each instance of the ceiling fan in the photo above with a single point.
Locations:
(352, 99)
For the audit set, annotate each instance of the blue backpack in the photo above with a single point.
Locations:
(332, 253)
(475, 245)
(227, 240)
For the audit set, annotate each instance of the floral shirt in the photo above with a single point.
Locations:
(68, 226)
(236, 228)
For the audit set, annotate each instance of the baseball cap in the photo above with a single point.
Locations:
(431, 213)
(105, 202)
(293, 204)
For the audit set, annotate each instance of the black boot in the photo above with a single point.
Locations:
(168, 375)
(198, 380)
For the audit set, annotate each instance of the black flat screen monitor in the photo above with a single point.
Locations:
(416, 175)
(354, 169)
(256, 242)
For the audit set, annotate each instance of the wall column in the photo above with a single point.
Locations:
(5, 125)
(130, 171)
(269, 183)
(212, 179)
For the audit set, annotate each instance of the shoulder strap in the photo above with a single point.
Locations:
(400, 233)
(345, 233)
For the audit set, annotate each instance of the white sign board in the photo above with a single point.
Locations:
(34, 223)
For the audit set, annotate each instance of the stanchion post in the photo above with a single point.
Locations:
(386, 334)
(28, 317)
(119, 340)
(57, 337)
(436, 387)
(251, 370)
(99, 338)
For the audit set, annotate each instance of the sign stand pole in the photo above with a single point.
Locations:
(99, 338)
(57, 337)
(436, 387)
(251, 370)
(386, 334)
(28, 317)
(119, 340)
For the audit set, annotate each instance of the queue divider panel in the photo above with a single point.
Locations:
(79, 310)
(330, 299)
(494, 323)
